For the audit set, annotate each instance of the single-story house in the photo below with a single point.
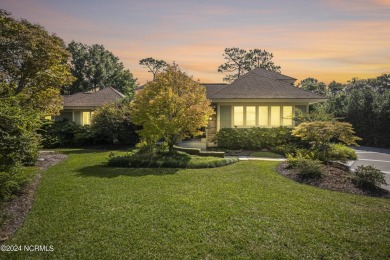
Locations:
(260, 98)
(79, 107)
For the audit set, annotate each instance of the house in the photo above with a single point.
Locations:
(79, 107)
(260, 98)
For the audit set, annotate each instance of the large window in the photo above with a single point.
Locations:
(238, 115)
(275, 115)
(263, 116)
(250, 116)
(287, 115)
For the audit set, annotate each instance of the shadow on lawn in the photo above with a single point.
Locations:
(102, 171)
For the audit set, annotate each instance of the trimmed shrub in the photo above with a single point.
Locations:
(65, 134)
(13, 180)
(309, 169)
(369, 177)
(111, 124)
(166, 160)
(253, 138)
(284, 149)
(340, 152)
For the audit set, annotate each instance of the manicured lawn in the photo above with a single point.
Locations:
(266, 155)
(245, 210)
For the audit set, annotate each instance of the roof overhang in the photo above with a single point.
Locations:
(269, 100)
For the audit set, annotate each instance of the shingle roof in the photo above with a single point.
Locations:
(212, 88)
(262, 84)
(270, 74)
(95, 99)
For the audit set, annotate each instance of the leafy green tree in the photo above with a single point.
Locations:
(313, 85)
(172, 107)
(318, 113)
(94, 67)
(154, 66)
(320, 134)
(335, 88)
(33, 65)
(112, 124)
(240, 61)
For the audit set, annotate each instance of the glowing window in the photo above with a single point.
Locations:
(263, 115)
(86, 118)
(275, 115)
(238, 114)
(251, 116)
(287, 115)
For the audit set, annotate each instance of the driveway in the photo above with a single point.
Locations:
(378, 157)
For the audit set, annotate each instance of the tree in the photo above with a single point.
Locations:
(313, 85)
(335, 88)
(33, 65)
(242, 61)
(320, 134)
(154, 66)
(94, 67)
(112, 124)
(172, 107)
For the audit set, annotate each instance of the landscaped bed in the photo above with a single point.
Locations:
(176, 159)
(334, 177)
(87, 210)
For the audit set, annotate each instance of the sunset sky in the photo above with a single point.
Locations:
(328, 39)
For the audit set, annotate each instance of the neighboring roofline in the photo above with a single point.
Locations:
(116, 91)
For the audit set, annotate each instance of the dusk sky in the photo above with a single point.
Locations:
(328, 39)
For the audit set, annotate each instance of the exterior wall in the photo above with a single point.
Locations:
(79, 116)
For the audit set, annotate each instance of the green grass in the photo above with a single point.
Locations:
(245, 210)
(266, 155)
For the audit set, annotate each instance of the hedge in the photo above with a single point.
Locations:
(254, 138)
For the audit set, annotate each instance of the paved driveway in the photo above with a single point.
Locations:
(380, 158)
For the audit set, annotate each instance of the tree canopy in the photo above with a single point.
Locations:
(313, 85)
(94, 67)
(240, 61)
(154, 66)
(171, 107)
(33, 65)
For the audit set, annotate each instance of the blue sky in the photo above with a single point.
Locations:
(328, 39)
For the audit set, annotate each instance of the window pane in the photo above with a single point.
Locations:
(263, 115)
(287, 115)
(86, 118)
(238, 115)
(251, 116)
(275, 116)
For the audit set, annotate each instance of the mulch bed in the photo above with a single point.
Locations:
(17, 209)
(335, 177)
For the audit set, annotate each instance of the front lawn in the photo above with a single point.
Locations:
(86, 210)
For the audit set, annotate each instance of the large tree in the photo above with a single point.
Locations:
(240, 61)
(94, 67)
(313, 85)
(154, 66)
(171, 107)
(33, 68)
(33, 65)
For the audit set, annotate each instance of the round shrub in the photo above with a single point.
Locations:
(309, 169)
(369, 177)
